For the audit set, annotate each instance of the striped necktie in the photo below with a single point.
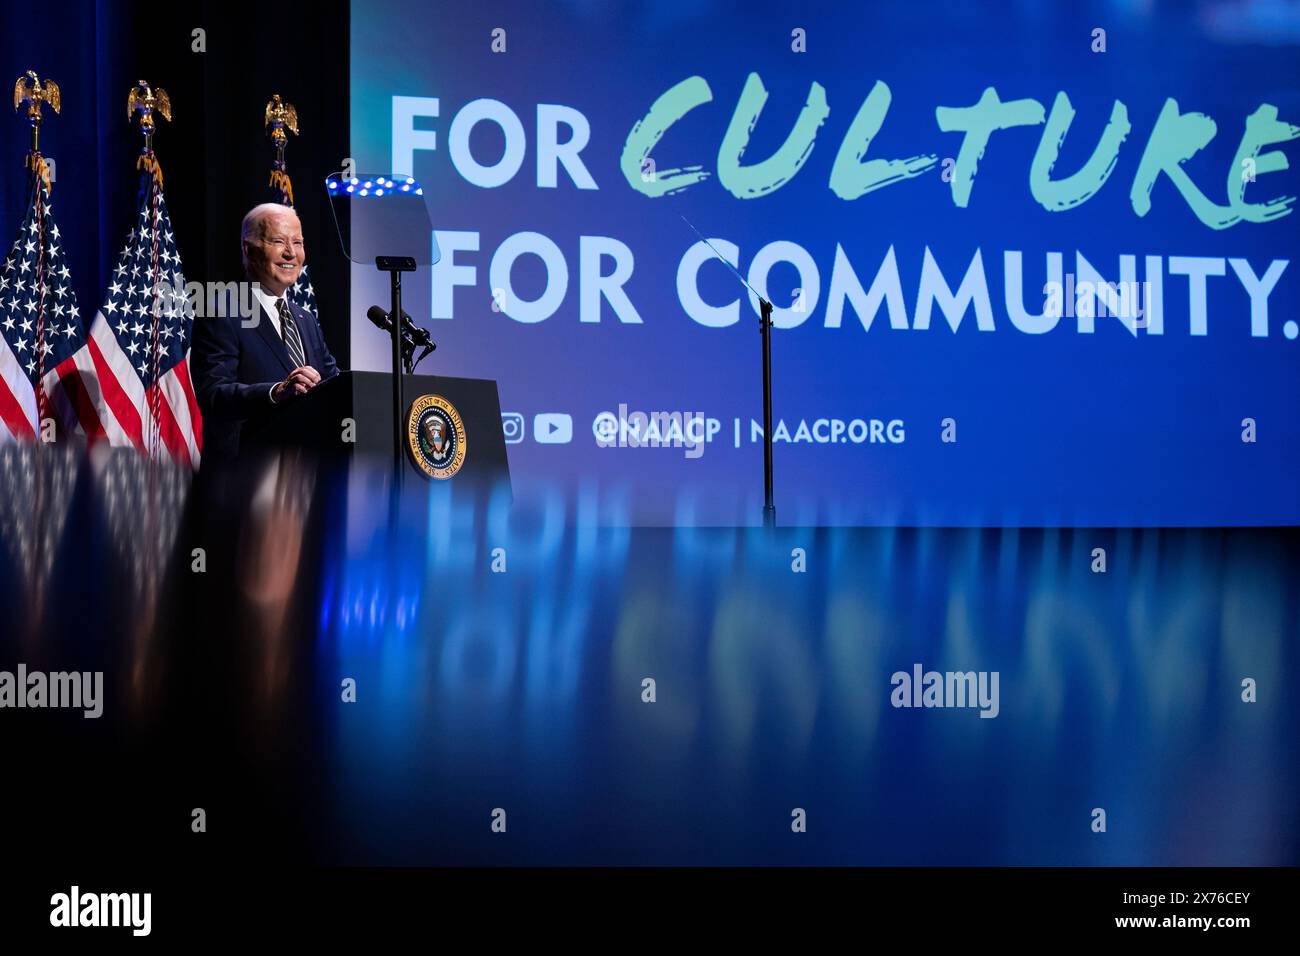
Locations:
(289, 332)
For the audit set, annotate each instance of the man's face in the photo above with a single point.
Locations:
(276, 258)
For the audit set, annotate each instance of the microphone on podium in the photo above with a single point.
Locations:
(412, 335)
(410, 330)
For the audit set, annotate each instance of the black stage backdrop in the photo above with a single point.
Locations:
(215, 154)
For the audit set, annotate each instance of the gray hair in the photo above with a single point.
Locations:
(252, 227)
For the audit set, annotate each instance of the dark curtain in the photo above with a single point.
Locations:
(215, 154)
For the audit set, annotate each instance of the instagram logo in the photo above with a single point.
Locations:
(512, 425)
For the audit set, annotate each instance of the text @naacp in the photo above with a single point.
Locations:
(669, 428)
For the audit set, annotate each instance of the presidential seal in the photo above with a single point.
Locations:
(435, 436)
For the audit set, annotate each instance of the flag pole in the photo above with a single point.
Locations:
(142, 103)
(29, 91)
(279, 117)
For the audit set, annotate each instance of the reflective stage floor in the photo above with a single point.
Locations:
(330, 685)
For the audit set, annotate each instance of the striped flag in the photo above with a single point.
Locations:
(300, 293)
(42, 336)
(140, 341)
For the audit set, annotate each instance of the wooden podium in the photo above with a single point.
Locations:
(319, 420)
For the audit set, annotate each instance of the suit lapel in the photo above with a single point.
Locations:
(266, 329)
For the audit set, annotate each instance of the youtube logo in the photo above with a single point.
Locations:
(553, 428)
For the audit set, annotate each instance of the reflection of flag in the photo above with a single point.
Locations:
(42, 337)
(141, 502)
(38, 482)
(140, 342)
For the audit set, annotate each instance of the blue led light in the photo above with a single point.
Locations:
(377, 186)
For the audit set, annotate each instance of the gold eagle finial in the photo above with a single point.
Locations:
(30, 90)
(278, 116)
(146, 100)
(141, 104)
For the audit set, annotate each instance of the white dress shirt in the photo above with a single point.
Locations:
(268, 303)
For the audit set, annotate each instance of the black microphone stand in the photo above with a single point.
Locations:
(395, 266)
(765, 329)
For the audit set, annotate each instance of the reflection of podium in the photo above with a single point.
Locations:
(317, 421)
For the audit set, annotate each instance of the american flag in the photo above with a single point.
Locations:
(300, 293)
(42, 336)
(140, 342)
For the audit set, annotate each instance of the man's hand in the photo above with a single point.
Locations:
(300, 380)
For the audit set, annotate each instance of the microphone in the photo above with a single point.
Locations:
(410, 331)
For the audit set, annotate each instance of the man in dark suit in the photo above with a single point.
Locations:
(243, 366)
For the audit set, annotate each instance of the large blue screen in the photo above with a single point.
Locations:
(1029, 261)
